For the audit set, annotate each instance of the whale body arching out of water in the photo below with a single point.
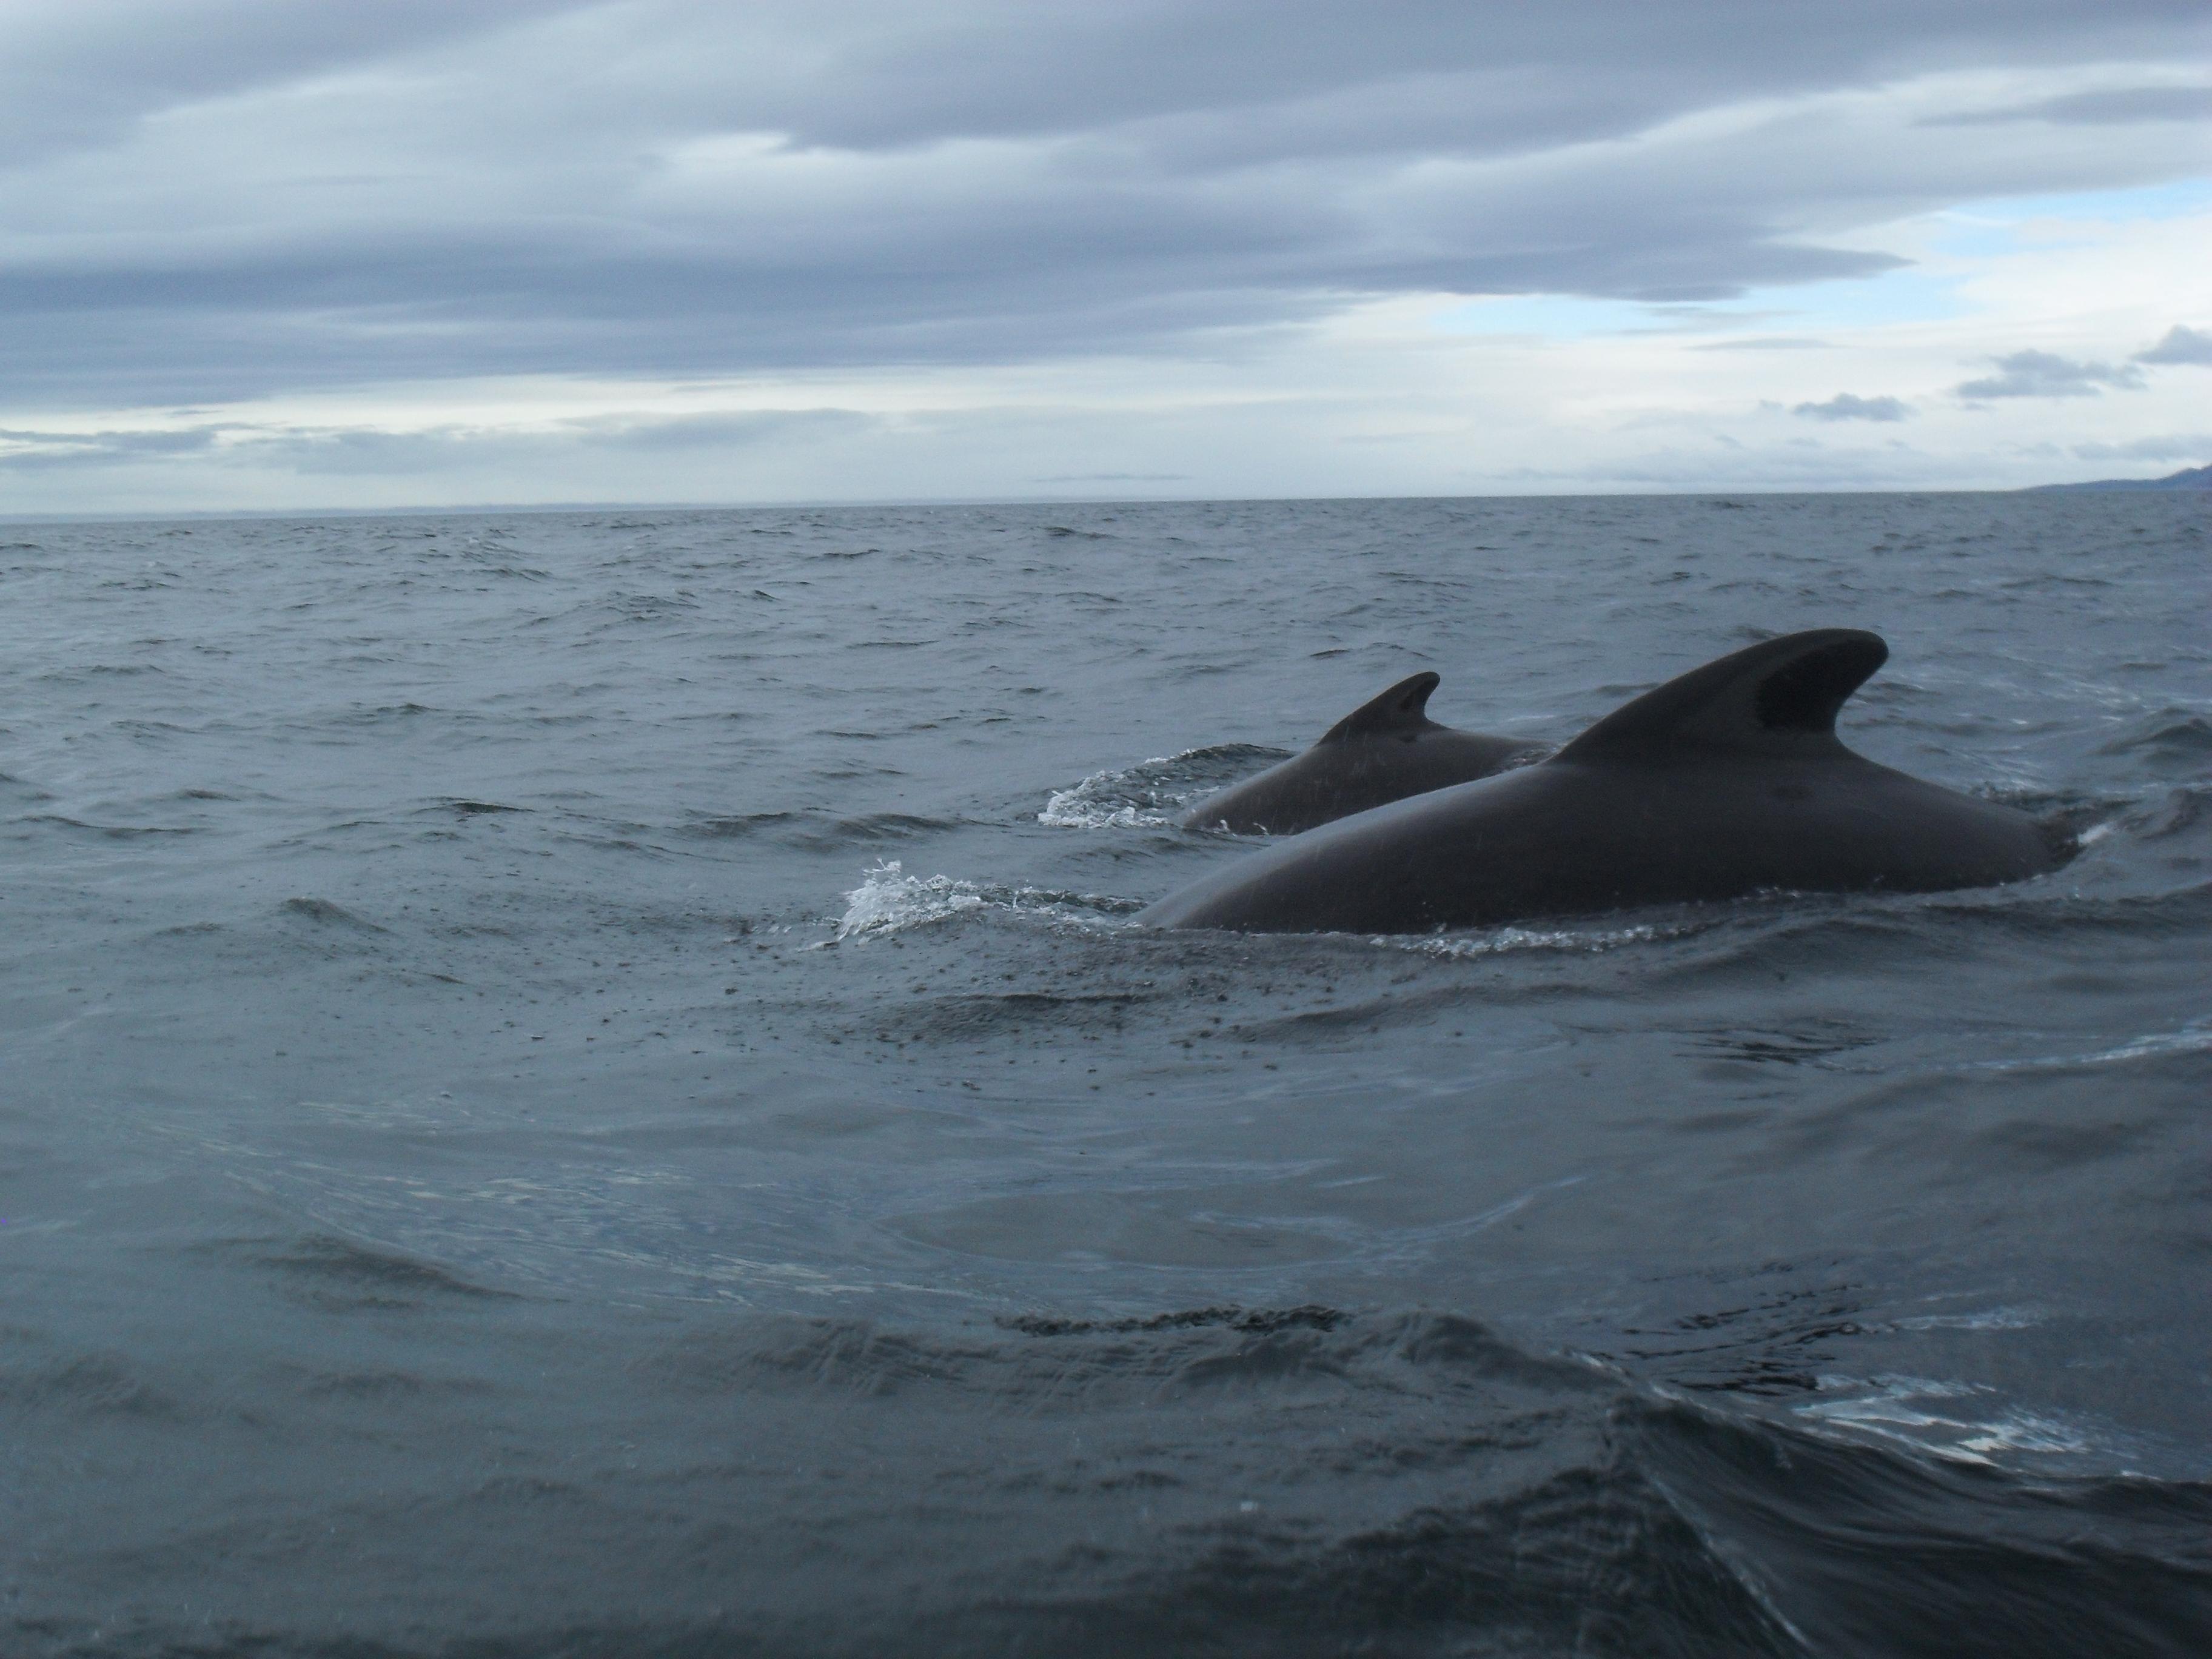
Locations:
(1726, 781)
(1384, 750)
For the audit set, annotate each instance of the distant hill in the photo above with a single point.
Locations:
(2190, 477)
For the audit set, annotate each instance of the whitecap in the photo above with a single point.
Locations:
(1940, 1418)
(2192, 1038)
(1989, 1319)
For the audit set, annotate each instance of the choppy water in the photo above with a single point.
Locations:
(579, 1084)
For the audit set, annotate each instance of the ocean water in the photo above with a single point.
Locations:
(580, 1084)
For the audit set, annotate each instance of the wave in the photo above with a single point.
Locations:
(2195, 1037)
(325, 913)
(889, 901)
(1040, 1359)
(108, 831)
(2173, 813)
(818, 832)
(1153, 794)
(2172, 739)
(1586, 941)
(1306, 1480)
(1937, 1416)
(342, 1275)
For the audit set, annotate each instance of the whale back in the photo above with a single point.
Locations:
(1776, 698)
(1724, 782)
(1400, 712)
(1384, 750)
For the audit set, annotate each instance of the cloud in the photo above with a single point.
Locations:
(1766, 343)
(2111, 106)
(69, 80)
(732, 430)
(2046, 374)
(1806, 465)
(215, 199)
(2181, 446)
(367, 450)
(1114, 477)
(2182, 344)
(39, 452)
(359, 450)
(1846, 407)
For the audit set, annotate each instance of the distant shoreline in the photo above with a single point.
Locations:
(2190, 477)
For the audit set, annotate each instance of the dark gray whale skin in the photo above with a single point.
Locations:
(1382, 751)
(1727, 782)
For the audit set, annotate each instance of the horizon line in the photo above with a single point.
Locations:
(815, 503)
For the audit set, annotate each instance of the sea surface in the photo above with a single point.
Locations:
(581, 1084)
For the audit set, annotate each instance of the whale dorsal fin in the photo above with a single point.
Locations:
(1780, 697)
(1403, 710)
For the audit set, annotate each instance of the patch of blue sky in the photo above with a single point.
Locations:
(2012, 225)
(1989, 228)
(2177, 198)
(1909, 294)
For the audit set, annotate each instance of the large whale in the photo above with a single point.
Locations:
(1383, 751)
(1727, 782)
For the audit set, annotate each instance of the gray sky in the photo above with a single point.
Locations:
(261, 254)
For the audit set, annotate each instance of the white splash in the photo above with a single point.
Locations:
(1069, 809)
(889, 901)
(1935, 1417)
(1126, 799)
(1154, 793)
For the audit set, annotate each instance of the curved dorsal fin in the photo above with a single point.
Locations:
(1779, 696)
(1403, 708)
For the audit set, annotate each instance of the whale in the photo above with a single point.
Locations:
(1384, 750)
(1726, 782)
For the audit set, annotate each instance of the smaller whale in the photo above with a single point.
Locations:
(1382, 751)
(1727, 782)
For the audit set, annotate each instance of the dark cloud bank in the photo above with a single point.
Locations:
(214, 199)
